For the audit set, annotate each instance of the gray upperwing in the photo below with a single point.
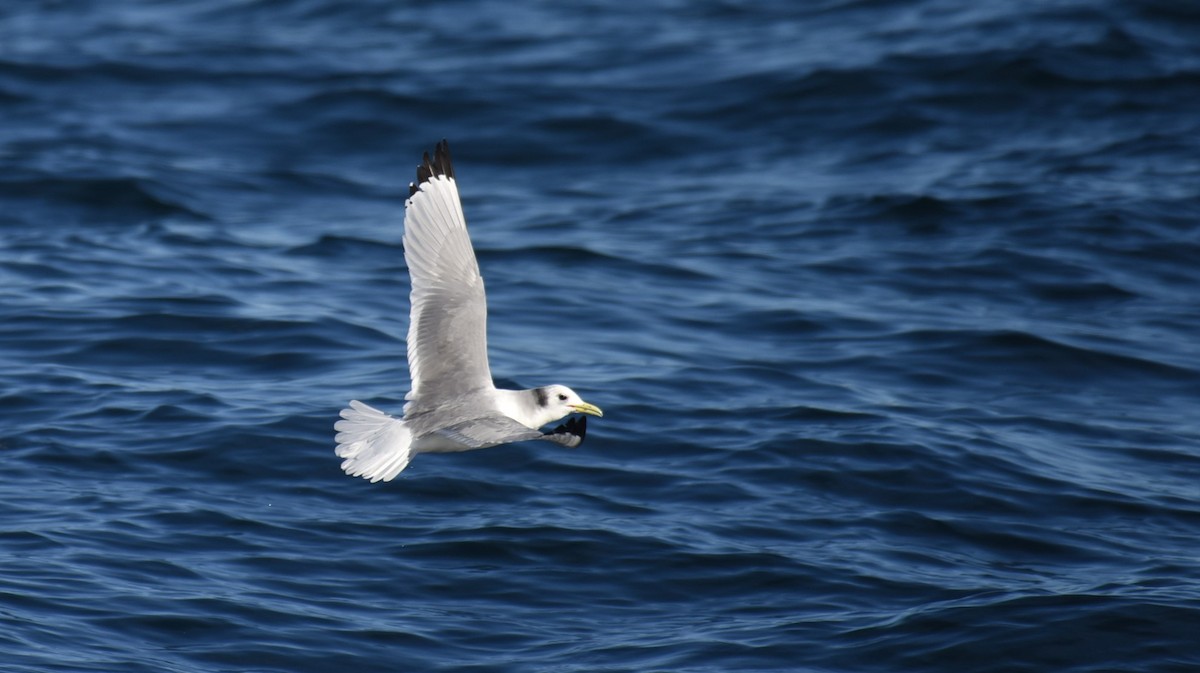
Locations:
(447, 329)
(485, 431)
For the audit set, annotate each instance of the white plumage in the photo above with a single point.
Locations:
(453, 404)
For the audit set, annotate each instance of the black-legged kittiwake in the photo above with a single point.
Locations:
(453, 404)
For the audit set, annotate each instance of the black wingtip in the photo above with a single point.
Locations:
(430, 168)
(576, 425)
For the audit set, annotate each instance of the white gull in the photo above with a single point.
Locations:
(453, 404)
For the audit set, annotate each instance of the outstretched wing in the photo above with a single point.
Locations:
(490, 430)
(447, 332)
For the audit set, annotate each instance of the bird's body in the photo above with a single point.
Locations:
(453, 404)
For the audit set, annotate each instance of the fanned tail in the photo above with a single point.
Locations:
(375, 446)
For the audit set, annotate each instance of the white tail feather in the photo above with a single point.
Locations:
(375, 446)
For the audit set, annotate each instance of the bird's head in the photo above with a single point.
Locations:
(559, 401)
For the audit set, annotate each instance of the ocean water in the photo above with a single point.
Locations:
(891, 307)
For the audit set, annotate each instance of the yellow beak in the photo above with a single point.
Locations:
(585, 408)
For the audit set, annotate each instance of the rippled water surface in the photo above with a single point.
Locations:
(891, 307)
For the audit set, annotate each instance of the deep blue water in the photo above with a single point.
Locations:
(891, 307)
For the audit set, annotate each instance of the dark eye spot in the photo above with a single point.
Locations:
(562, 398)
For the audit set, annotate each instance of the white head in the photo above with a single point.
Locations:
(554, 402)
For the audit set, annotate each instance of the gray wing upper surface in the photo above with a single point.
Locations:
(447, 334)
(494, 429)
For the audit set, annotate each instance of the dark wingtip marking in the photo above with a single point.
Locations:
(574, 426)
(430, 168)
